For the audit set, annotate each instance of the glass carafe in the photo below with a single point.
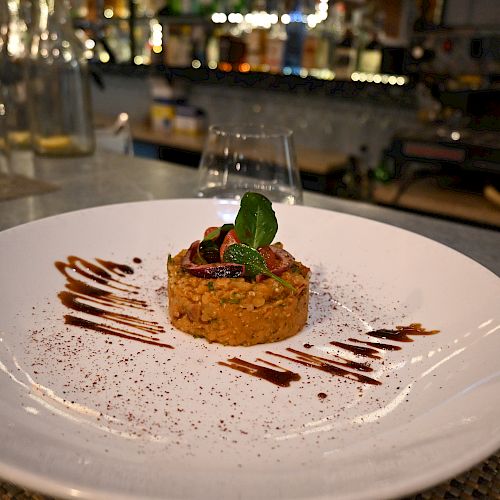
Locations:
(58, 84)
(14, 45)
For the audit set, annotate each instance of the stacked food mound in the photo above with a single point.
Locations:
(235, 286)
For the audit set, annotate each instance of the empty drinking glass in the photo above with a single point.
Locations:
(4, 144)
(245, 157)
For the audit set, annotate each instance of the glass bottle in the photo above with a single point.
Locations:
(333, 30)
(310, 48)
(345, 57)
(370, 58)
(13, 55)
(275, 46)
(58, 85)
(4, 147)
(295, 31)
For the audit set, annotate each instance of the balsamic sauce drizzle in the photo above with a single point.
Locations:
(384, 347)
(332, 366)
(401, 333)
(338, 366)
(281, 377)
(368, 352)
(93, 300)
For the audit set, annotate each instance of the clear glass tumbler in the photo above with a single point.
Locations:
(244, 157)
(5, 169)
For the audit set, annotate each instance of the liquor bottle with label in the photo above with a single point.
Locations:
(13, 57)
(58, 85)
(370, 58)
(275, 46)
(178, 50)
(232, 48)
(310, 48)
(255, 42)
(332, 31)
(345, 57)
(323, 47)
(213, 49)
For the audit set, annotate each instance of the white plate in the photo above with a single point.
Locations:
(90, 415)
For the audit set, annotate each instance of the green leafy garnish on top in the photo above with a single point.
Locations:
(242, 249)
(255, 226)
(256, 223)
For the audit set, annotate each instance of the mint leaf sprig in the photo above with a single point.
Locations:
(253, 261)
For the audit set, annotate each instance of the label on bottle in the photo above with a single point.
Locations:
(275, 48)
(322, 53)
(309, 52)
(345, 62)
(370, 61)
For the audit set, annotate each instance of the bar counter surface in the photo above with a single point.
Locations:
(108, 178)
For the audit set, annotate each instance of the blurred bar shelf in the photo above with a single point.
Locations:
(427, 196)
(383, 93)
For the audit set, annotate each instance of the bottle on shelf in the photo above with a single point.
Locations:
(213, 49)
(13, 57)
(295, 31)
(232, 49)
(310, 48)
(199, 43)
(58, 85)
(324, 43)
(345, 57)
(178, 48)
(232, 52)
(370, 57)
(275, 44)
(331, 32)
(255, 48)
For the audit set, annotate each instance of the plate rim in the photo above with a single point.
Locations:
(49, 486)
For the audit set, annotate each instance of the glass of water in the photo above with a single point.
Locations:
(245, 157)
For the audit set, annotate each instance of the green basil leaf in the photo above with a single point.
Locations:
(253, 261)
(256, 223)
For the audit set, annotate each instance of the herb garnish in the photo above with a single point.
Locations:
(240, 253)
(256, 223)
(256, 226)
